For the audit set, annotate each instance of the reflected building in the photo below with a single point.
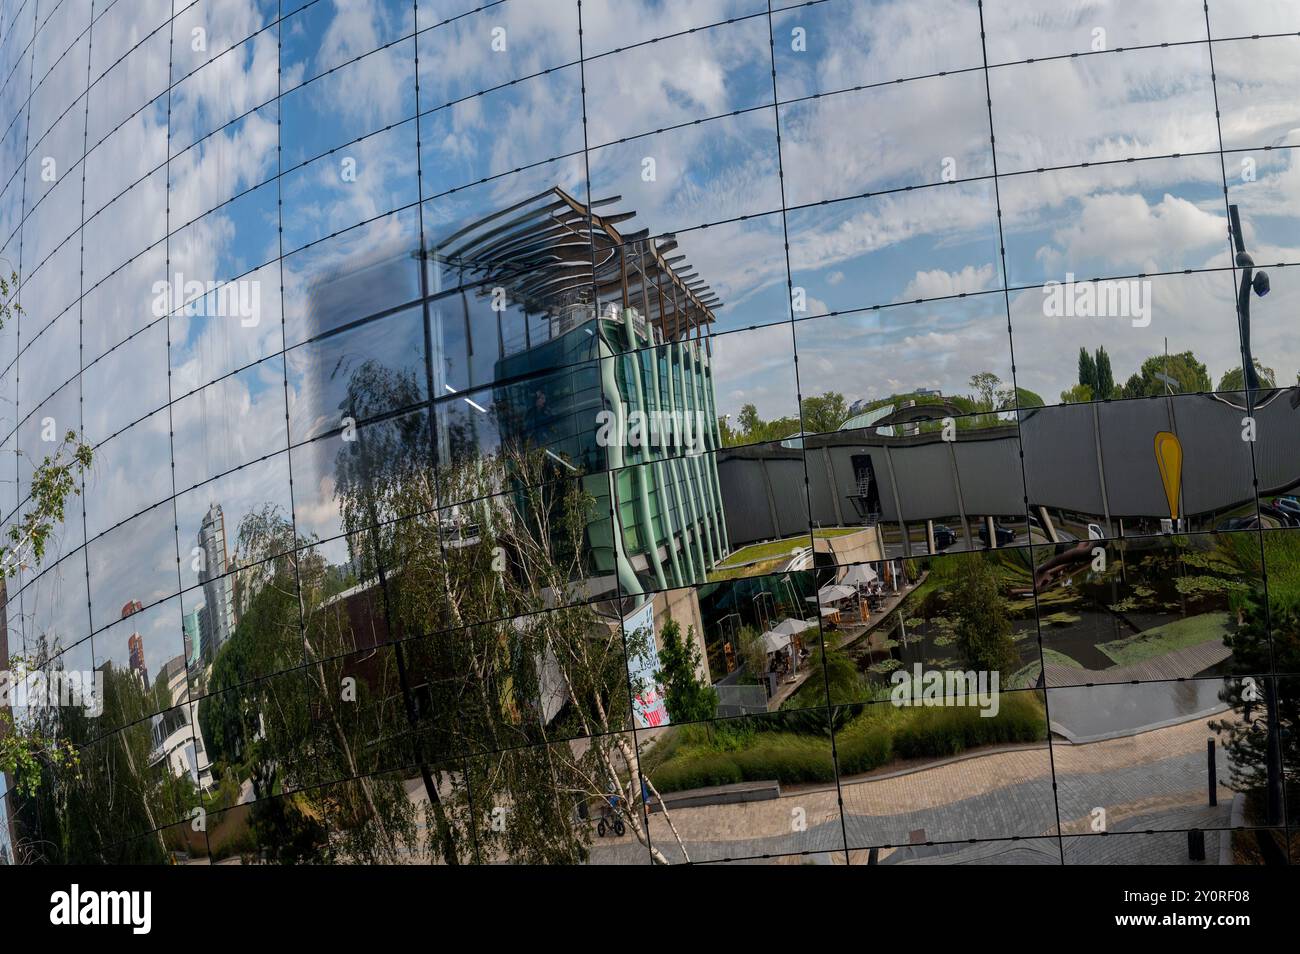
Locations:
(618, 311)
(1091, 464)
(192, 629)
(135, 645)
(216, 620)
(601, 358)
(177, 742)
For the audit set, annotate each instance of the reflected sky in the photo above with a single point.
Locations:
(324, 98)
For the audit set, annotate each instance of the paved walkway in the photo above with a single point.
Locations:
(1143, 781)
(1181, 663)
(849, 635)
(853, 633)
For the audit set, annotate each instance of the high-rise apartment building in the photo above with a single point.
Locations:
(217, 615)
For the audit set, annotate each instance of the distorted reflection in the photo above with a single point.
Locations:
(649, 431)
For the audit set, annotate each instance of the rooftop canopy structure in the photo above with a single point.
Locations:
(553, 254)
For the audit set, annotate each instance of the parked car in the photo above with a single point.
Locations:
(1037, 530)
(1288, 504)
(1238, 523)
(1005, 535)
(1279, 517)
(944, 536)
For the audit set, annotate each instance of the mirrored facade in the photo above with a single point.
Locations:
(653, 431)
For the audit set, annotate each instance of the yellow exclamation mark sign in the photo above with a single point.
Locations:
(1169, 455)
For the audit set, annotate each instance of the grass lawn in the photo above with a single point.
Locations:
(755, 552)
(1060, 618)
(765, 551)
(797, 750)
(1165, 639)
(762, 568)
(1025, 677)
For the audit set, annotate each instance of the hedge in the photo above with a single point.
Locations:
(882, 734)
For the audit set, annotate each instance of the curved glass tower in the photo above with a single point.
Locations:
(649, 430)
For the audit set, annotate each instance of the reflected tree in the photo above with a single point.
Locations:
(1261, 735)
(117, 800)
(1234, 380)
(981, 626)
(311, 718)
(39, 751)
(1167, 374)
(503, 664)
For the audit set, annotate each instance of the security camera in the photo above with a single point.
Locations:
(1260, 284)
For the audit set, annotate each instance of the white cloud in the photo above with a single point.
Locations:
(938, 283)
(1120, 229)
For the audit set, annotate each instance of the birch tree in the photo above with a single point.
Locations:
(25, 752)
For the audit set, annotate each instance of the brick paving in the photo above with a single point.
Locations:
(1153, 780)
(1181, 663)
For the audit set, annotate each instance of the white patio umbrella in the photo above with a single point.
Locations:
(792, 627)
(775, 642)
(832, 593)
(836, 592)
(858, 574)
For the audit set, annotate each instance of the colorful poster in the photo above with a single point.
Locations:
(647, 694)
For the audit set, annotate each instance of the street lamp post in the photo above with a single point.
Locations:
(1257, 282)
(1250, 281)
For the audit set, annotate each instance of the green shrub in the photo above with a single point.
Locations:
(730, 752)
(866, 744)
(949, 730)
(790, 759)
(786, 757)
(696, 770)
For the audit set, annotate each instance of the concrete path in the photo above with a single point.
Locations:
(1179, 664)
(1151, 780)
